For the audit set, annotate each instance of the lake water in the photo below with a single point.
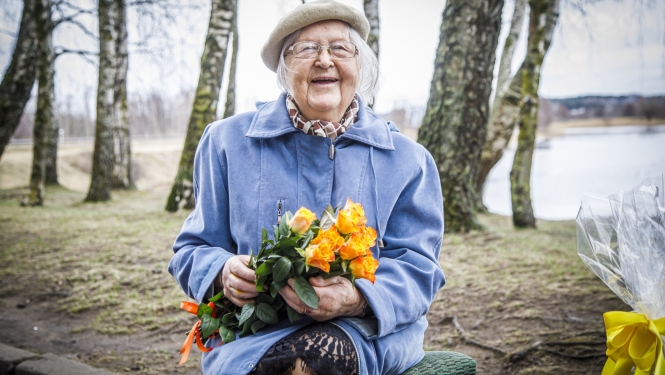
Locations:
(599, 161)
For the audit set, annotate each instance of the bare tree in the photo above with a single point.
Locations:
(542, 19)
(372, 14)
(103, 156)
(19, 77)
(44, 116)
(205, 99)
(122, 155)
(504, 109)
(454, 126)
(230, 105)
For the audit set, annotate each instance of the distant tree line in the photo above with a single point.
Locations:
(152, 115)
(585, 107)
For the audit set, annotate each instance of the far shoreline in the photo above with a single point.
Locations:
(556, 128)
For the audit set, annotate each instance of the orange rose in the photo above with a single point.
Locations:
(301, 221)
(350, 218)
(368, 236)
(352, 249)
(319, 256)
(330, 235)
(364, 267)
(358, 244)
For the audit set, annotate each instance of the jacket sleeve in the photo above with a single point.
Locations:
(205, 242)
(409, 274)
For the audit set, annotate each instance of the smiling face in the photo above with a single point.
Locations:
(323, 87)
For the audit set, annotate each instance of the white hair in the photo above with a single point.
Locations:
(368, 66)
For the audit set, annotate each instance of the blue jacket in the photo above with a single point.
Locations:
(250, 166)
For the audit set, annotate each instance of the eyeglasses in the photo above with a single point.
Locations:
(312, 50)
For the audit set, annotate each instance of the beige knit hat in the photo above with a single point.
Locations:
(307, 14)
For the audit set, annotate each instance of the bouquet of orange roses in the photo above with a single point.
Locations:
(337, 244)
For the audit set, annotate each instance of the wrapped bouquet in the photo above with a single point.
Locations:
(622, 239)
(337, 244)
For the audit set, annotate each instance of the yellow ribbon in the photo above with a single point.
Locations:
(633, 340)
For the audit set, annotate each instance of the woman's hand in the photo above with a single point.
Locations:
(238, 280)
(337, 297)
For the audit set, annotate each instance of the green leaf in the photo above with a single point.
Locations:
(298, 267)
(247, 326)
(280, 269)
(217, 296)
(264, 269)
(287, 242)
(293, 314)
(288, 251)
(227, 334)
(208, 325)
(287, 217)
(227, 318)
(266, 313)
(305, 243)
(306, 292)
(264, 234)
(278, 304)
(252, 261)
(284, 229)
(275, 287)
(203, 310)
(257, 325)
(327, 218)
(264, 298)
(246, 313)
(276, 232)
(345, 264)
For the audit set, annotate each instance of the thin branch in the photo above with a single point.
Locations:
(7, 32)
(72, 16)
(85, 55)
(76, 7)
(83, 28)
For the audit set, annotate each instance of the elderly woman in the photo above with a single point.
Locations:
(314, 146)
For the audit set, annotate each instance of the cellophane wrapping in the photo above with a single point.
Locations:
(622, 239)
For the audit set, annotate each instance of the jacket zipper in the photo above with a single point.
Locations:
(280, 207)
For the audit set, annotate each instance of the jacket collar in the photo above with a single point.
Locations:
(272, 120)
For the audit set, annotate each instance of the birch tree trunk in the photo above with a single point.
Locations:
(51, 161)
(44, 116)
(230, 104)
(504, 109)
(103, 155)
(19, 77)
(205, 99)
(542, 19)
(454, 126)
(122, 156)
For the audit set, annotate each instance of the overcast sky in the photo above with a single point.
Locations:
(612, 48)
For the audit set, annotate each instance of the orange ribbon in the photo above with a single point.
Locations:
(194, 333)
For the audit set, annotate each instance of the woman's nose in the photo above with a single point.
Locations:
(324, 60)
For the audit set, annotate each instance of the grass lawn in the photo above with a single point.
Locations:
(96, 280)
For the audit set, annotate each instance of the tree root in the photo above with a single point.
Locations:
(538, 345)
(574, 356)
(467, 339)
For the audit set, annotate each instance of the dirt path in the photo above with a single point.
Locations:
(39, 327)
